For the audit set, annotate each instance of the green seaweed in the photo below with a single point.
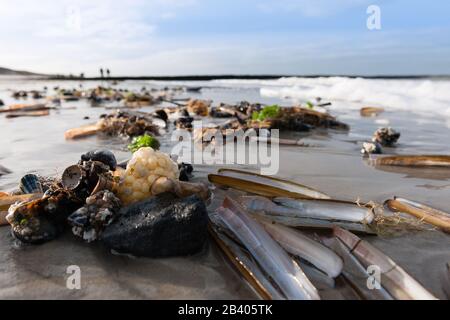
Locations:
(142, 142)
(266, 113)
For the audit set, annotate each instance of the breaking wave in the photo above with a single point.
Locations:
(424, 96)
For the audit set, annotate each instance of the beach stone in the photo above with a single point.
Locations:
(162, 226)
(104, 156)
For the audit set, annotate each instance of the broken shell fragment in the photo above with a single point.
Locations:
(87, 178)
(104, 183)
(71, 177)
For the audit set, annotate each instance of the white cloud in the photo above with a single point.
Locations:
(70, 35)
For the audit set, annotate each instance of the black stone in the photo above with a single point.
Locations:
(104, 156)
(163, 226)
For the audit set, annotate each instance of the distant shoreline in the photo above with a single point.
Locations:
(236, 77)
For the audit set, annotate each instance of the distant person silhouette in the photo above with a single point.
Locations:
(108, 73)
(101, 72)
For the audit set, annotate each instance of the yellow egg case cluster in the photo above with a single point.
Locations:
(145, 167)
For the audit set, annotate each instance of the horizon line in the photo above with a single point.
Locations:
(207, 77)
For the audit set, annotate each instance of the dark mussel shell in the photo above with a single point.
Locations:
(104, 156)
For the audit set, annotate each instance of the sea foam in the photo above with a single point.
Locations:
(423, 96)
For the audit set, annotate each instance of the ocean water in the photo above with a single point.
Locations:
(419, 109)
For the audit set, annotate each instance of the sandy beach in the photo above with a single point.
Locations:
(332, 163)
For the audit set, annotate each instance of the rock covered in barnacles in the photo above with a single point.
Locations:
(42, 220)
(387, 137)
(104, 156)
(371, 148)
(162, 226)
(100, 210)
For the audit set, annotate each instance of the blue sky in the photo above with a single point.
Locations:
(171, 37)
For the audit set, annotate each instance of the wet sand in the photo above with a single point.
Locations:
(333, 165)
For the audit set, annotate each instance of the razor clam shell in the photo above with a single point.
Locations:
(320, 279)
(263, 185)
(294, 242)
(354, 273)
(414, 161)
(328, 209)
(242, 257)
(292, 217)
(446, 284)
(317, 223)
(430, 215)
(393, 278)
(273, 259)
